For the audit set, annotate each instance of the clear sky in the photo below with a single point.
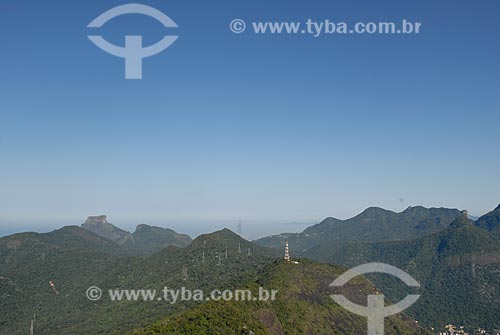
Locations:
(266, 128)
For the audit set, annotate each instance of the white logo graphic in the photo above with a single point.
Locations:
(94, 293)
(376, 312)
(133, 52)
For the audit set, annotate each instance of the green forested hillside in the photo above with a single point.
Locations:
(303, 306)
(149, 239)
(373, 225)
(76, 259)
(70, 257)
(490, 222)
(458, 269)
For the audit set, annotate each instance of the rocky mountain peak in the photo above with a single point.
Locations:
(101, 226)
(96, 220)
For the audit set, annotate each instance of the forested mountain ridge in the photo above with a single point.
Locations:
(74, 259)
(372, 225)
(458, 269)
(490, 222)
(303, 306)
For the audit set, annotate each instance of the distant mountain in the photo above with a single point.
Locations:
(149, 239)
(458, 269)
(236, 245)
(490, 221)
(75, 259)
(68, 238)
(303, 306)
(101, 226)
(144, 241)
(372, 225)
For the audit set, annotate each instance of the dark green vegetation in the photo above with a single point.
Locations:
(373, 225)
(28, 261)
(490, 222)
(459, 269)
(76, 259)
(457, 261)
(149, 239)
(303, 306)
(144, 241)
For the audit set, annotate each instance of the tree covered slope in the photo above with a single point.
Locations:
(75, 259)
(373, 225)
(303, 306)
(458, 269)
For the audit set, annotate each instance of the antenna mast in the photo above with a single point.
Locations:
(287, 253)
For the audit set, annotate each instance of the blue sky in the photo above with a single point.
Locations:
(269, 129)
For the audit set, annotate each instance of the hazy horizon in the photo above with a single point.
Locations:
(252, 229)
